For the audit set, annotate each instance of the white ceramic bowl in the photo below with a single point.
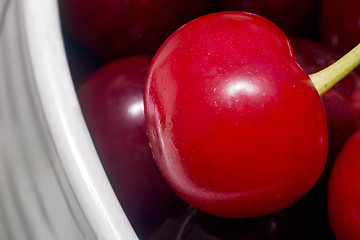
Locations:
(52, 185)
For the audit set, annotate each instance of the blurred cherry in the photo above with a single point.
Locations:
(340, 26)
(116, 28)
(296, 18)
(112, 104)
(343, 113)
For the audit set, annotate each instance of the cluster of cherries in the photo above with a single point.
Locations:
(210, 119)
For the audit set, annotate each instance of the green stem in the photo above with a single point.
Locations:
(325, 79)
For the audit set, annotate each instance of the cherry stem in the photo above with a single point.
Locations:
(326, 78)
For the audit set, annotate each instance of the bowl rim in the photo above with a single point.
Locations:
(78, 156)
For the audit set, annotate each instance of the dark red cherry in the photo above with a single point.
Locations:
(115, 28)
(340, 26)
(112, 104)
(296, 18)
(342, 110)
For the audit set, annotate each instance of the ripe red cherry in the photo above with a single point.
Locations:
(112, 104)
(343, 191)
(236, 126)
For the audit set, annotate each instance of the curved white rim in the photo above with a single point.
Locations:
(66, 124)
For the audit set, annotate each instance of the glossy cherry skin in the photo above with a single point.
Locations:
(112, 104)
(343, 192)
(116, 28)
(236, 126)
(295, 18)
